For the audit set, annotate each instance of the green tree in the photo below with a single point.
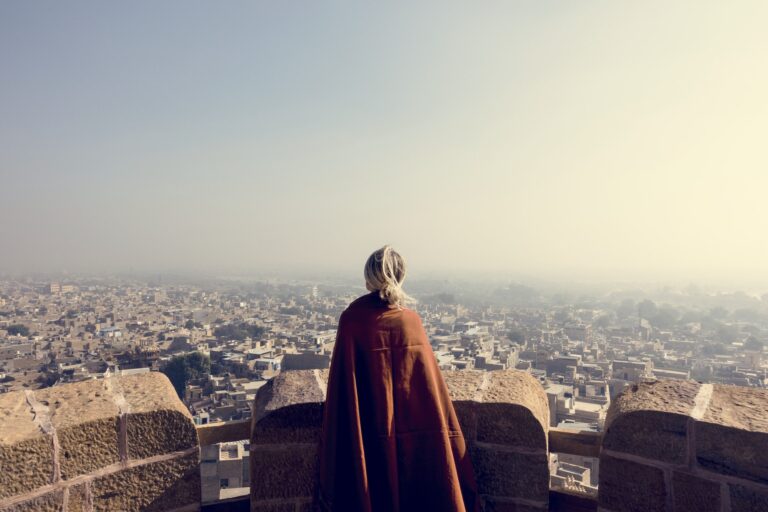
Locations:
(516, 336)
(185, 368)
(239, 331)
(19, 329)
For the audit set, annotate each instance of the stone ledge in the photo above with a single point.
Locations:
(503, 414)
(701, 446)
(61, 447)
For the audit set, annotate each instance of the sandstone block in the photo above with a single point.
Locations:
(49, 502)
(651, 420)
(26, 453)
(466, 412)
(300, 423)
(492, 504)
(158, 422)
(157, 486)
(273, 507)
(748, 499)
(514, 411)
(510, 474)
(282, 471)
(80, 499)
(84, 416)
(694, 493)
(732, 436)
(463, 385)
(630, 487)
(289, 408)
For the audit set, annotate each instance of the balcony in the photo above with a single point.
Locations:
(129, 444)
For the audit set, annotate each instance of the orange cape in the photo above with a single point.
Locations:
(391, 440)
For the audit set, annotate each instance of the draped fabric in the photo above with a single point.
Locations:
(391, 440)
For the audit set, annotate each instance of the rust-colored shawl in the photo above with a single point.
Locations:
(391, 440)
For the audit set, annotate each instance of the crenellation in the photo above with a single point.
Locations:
(711, 457)
(505, 433)
(75, 427)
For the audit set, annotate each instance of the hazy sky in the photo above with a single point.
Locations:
(602, 139)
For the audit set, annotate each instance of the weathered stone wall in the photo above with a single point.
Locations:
(503, 414)
(115, 444)
(677, 446)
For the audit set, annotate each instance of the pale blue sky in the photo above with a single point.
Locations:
(602, 139)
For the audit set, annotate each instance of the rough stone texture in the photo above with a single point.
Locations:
(694, 493)
(78, 498)
(299, 423)
(519, 388)
(651, 420)
(273, 507)
(156, 486)
(748, 499)
(512, 411)
(671, 396)
(289, 388)
(732, 436)
(50, 502)
(304, 506)
(283, 471)
(85, 419)
(158, 422)
(463, 385)
(630, 487)
(499, 505)
(84, 416)
(466, 412)
(511, 474)
(26, 454)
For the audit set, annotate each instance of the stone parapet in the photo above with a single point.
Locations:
(503, 415)
(123, 443)
(674, 446)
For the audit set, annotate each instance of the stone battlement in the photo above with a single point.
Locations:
(129, 444)
(115, 444)
(677, 446)
(503, 414)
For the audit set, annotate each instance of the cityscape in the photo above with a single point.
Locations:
(203, 204)
(220, 340)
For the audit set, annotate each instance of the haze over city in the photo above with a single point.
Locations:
(595, 141)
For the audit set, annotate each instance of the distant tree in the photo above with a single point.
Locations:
(90, 328)
(516, 336)
(666, 317)
(718, 313)
(747, 314)
(18, 329)
(603, 321)
(647, 309)
(714, 348)
(239, 331)
(185, 368)
(626, 309)
(727, 333)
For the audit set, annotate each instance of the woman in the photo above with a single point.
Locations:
(390, 440)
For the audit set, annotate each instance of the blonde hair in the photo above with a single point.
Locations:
(384, 273)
